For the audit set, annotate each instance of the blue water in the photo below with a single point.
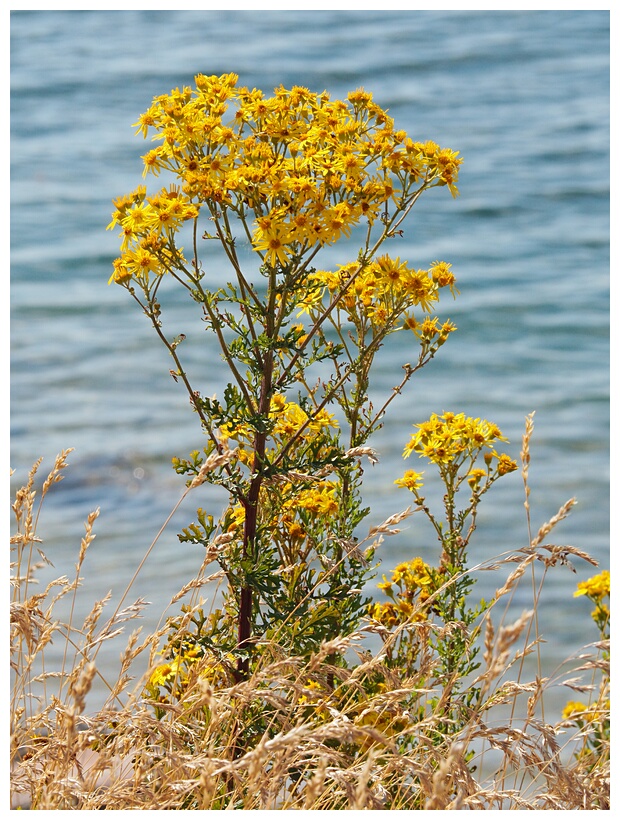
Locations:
(524, 96)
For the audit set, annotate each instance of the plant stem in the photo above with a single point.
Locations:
(246, 603)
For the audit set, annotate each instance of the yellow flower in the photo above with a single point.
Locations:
(360, 98)
(121, 272)
(595, 588)
(138, 218)
(278, 403)
(405, 608)
(427, 329)
(161, 674)
(580, 712)
(385, 614)
(475, 476)
(290, 419)
(322, 420)
(420, 288)
(154, 161)
(506, 464)
(442, 274)
(235, 518)
(236, 431)
(174, 668)
(141, 262)
(274, 245)
(411, 480)
(572, 709)
(446, 328)
(411, 575)
(601, 613)
(296, 531)
(147, 120)
(385, 585)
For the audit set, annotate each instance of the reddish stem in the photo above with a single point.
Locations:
(246, 603)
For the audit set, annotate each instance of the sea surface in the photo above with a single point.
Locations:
(523, 95)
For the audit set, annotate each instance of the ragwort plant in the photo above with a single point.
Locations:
(284, 176)
(456, 446)
(277, 180)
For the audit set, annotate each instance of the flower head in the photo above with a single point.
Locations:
(595, 588)
(451, 437)
(411, 480)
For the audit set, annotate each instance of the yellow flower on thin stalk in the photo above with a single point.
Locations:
(141, 262)
(274, 248)
(596, 587)
(505, 464)
(475, 476)
(411, 480)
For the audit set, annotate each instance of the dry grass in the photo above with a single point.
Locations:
(299, 734)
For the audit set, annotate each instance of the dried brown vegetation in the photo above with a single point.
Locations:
(319, 733)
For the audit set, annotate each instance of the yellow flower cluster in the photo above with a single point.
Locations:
(321, 499)
(290, 420)
(595, 588)
(389, 721)
(379, 716)
(318, 500)
(298, 169)
(174, 676)
(452, 438)
(386, 288)
(174, 670)
(415, 582)
(147, 225)
(576, 710)
(573, 709)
